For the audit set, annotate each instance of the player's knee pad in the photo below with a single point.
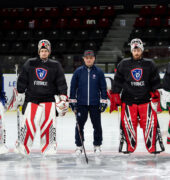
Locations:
(29, 124)
(151, 130)
(48, 129)
(128, 129)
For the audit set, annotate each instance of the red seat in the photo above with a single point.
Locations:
(103, 23)
(53, 12)
(81, 12)
(75, 23)
(140, 22)
(4, 12)
(94, 11)
(61, 23)
(6, 24)
(46, 24)
(155, 22)
(109, 11)
(67, 12)
(160, 10)
(40, 12)
(27, 13)
(14, 13)
(146, 11)
(19, 24)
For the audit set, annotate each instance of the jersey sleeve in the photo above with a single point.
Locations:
(118, 79)
(155, 81)
(103, 86)
(74, 85)
(61, 81)
(1, 81)
(166, 79)
(22, 82)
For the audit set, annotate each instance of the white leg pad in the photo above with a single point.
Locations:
(48, 129)
(3, 147)
(29, 124)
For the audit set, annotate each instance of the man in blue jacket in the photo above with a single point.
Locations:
(88, 95)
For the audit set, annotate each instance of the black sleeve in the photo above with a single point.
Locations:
(155, 81)
(61, 81)
(103, 86)
(74, 85)
(166, 79)
(1, 81)
(118, 79)
(22, 81)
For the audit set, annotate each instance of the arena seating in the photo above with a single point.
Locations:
(153, 27)
(70, 30)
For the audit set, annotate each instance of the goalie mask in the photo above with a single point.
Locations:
(44, 44)
(136, 43)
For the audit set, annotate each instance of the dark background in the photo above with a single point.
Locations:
(51, 3)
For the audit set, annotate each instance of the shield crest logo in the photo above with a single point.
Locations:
(137, 74)
(41, 73)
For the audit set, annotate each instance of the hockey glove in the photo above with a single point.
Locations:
(103, 105)
(61, 104)
(155, 101)
(16, 100)
(73, 104)
(164, 99)
(115, 101)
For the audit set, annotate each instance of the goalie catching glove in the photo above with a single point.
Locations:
(16, 100)
(164, 99)
(61, 104)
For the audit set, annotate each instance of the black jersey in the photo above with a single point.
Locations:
(166, 79)
(136, 79)
(41, 80)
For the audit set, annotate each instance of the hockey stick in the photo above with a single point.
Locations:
(18, 114)
(81, 138)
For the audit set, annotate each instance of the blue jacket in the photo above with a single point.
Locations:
(88, 85)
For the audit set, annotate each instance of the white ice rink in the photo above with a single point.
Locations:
(110, 165)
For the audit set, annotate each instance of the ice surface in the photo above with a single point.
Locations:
(65, 165)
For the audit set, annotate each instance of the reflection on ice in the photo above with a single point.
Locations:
(68, 166)
(65, 165)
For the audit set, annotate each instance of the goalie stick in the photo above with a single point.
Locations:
(18, 115)
(81, 138)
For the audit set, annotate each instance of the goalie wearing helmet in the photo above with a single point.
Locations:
(42, 93)
(135, 89)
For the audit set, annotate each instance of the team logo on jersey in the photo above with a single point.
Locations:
(41, 73)
(137, 74)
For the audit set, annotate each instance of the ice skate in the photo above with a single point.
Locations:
(3, 149)
(97, 150)
(79, 150)
(51, 150)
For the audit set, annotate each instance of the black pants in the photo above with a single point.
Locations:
(95, 116)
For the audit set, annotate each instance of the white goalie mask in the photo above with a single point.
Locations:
(136, 43)
(44, 43)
